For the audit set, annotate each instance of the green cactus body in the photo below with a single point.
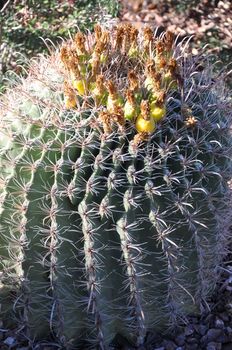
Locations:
(103, 230)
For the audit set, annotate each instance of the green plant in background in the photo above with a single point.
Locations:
(115, 205)
(24, 23)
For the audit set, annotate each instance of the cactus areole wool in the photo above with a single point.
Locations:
(115, 157)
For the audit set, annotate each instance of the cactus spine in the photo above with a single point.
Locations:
(112, 221)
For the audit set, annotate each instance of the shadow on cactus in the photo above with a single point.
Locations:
(115, 162)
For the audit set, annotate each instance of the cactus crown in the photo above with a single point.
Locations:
(122, 70)
(115, 206)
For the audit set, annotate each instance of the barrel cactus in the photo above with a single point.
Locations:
(115, 161)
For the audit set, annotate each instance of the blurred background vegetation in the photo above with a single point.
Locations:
(24, 22)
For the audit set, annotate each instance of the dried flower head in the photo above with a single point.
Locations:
(105, 38)
(133, 80)
(161, 96)
(156, 79)
(139, 138)
(162, 63)
(73, 68)
(145, 109)
(95, 65)
(130, 97)
(150, 67)
(64, 54)
(147, 36)
(97, 32)
(67, 88)
(168, 40)
(111, 88)
(100, 82)
(79, 41)
(133, 35)
(160, 48)
(119, 37)
(105, 119)
(191, 121)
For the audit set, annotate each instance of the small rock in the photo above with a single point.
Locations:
(9, 341)
(192, 340)
(189, 330)
(191, 347)
(153, 338)
(214, 346)
(169, 345)
(224, 317)
(229, 332)
(213, 334)
(180, 348)
(193, 320)
(226, 6)
(218, 323)
(180, 340)
(201, 329)
(227, 346)
(229, 308)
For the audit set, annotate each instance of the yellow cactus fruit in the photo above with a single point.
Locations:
(144, 122)
(157, 105)
(143, 125)
(157, 112)
(80, 86)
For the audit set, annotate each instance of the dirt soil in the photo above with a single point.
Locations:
(210, 21)
(207, 21)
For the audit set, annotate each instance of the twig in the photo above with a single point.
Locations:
(5, 6)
